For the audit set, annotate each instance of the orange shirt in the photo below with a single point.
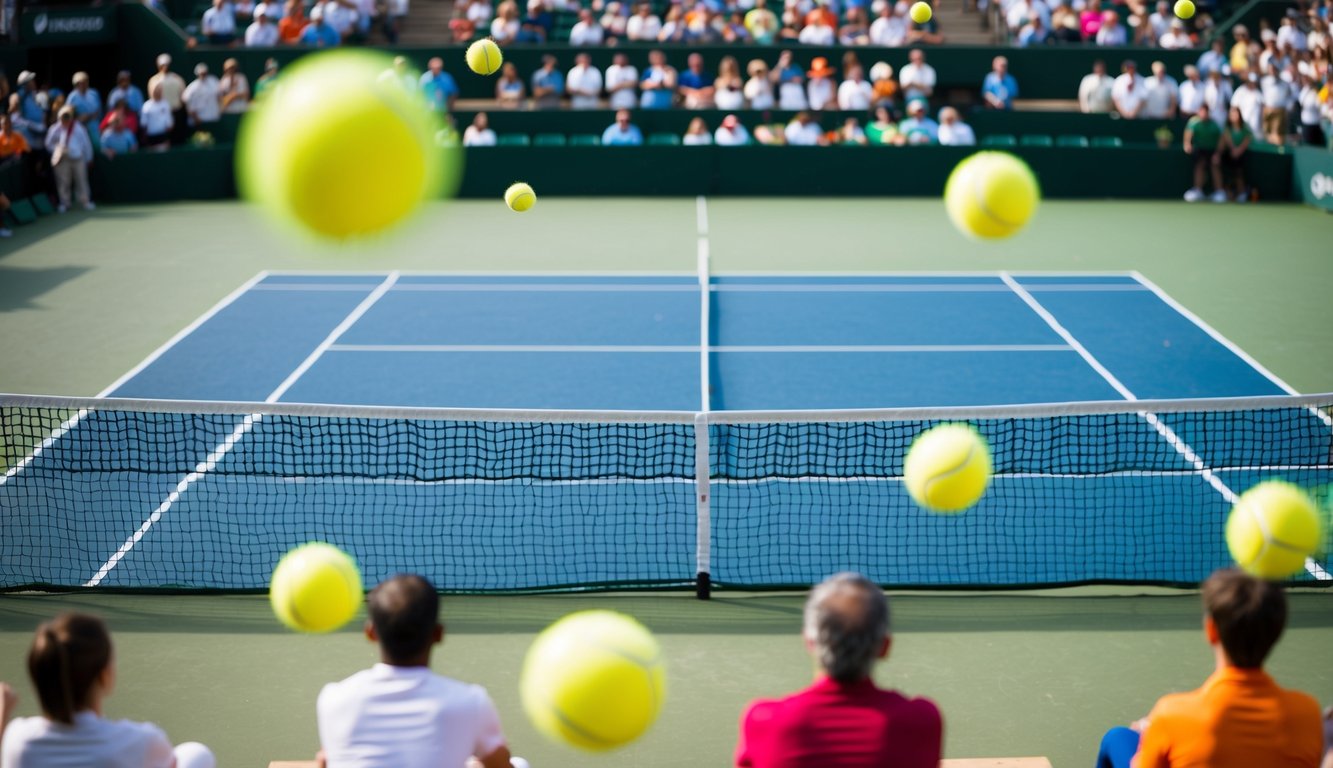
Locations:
(12, 144)
(289, 29)
(1240, 718)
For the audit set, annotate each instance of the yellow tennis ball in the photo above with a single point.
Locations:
(484, 57)
(1272, 529)
(991, 195)
(1184, 9)
(315, 588)
(947, 468)
(594, 680)
(920, 12)
(338, 150)
(520, 197)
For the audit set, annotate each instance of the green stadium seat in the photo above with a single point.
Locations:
(1107, 141)
(999, 140)
(663, 140)
(22, 211)
(549, 140)
(43, 205)
(1036, 140)
(513, 140)
(585, 140)
(1071, 141)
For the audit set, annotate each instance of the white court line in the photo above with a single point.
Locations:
(665, 348)
(681, 287)
(1165, 431)
(237, 434)
(545, 287)
(315, 287)
(74, 420)
(702, 266)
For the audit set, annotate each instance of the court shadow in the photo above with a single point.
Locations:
(21, 287)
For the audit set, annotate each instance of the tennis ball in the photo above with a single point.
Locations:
(594, 680)
(484, 57)
(947, 468)
(991, 195)
(1184, 9)
(520, 197)
(315, 588)
(920, 12)
(1272, 529)
(339, 151)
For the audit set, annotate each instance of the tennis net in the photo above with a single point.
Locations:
(161, 494)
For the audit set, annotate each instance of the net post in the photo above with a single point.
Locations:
(703, 528)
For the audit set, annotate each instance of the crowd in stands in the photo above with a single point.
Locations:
(325, 24)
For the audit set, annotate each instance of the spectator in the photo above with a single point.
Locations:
(918, 128)
(696, 88)
(584, 83)
(1127, 93)
(731, 133)
(1064, 26)
(1176, 38)
(548, 85)
(1239, 716)
(790, 81)
(71, 151)
(673, 26)
(886, 89)
(1241, 51)
(735, 31)
(999, 87)
(761, 23)
(262, 33)
(1090, 20)
(1289, 34)
(857, 30)
(73, 670)
(537, 25)
(659, 83)
(643, 26)
(1035, 32)
(128, 120)
(586, 31)
(917, 78)
(1237, 135)
(621, 81)
(803, 131)
(1278, 97)
(117, 139)
(1161, 95)
(1022, 11)
(790, 32)
(318, 32)
(622, 133)
(614, 22)
(855, 94)
(173, 91)
(953, 131)
(1249, 100)
(846, 631)
(1191, 92)
(1203, 140)
(12, 143)
(126, 91)
(86, 102)
(697, 134)
(292, 25)
(233, 88)
(268, 79)
(479, 12)
(727, 86)
(509, 88)
(759, 88)
(850, 134)
(1312, 133)
(890, 28)
(1215, 58)
(927, 33)
(883, 130)
(505, 27)
(1217, 94)
(219, 23)
(203, 98)
(1159, 22)
(821, 93)
(399, 710)
(342, 16)
(30, 117)
(1111, 32)
(157, 119)
(479, 133)
(438, 87)
(1270, 53)
(818, 32)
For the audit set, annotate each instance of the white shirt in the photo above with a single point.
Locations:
(91, 742)
(1191, 97)
(1175, 39)
(640, 28)
(727, 98)
(891, 31)
(77, 144)
(696, 139)
(731, 138)
(855, 95)
(339, 16)
(406, 717)
(1094, 93)
(958, 134)
(817, 34)
(1309, 101)
(1250, 101)
(624, 98)
(504, 30)
(1111, 35)
(201, 97)
(480, 13)
(584, 33)
(791, 96)
(1291, 35)
(219, 21)
(821, 92)
(803, 135)
(579, 83)
(155, 118)
(1276, 92)
(916, 81)
(759, 92)
(1158, 95)
(475, 138)
(1128, 99)
(261, 35)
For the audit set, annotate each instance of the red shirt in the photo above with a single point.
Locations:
(837, 725)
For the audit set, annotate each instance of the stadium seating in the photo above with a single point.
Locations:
(1107, 141)
(1071, 141)
(513, 140)
(549, 140)
(999, 140)
(1036, 140)
(663, 140)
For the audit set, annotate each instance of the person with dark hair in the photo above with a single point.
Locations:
(1240, 716)
(73, 670)
(399, 712)
(843, 720)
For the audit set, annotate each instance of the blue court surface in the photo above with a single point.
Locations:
(633, 343)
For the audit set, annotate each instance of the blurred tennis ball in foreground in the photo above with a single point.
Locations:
(520, 197)
(1272, 529)
(920, 12)
(484, 57)
(340, 151)
(947, 468)
(1184, 9)
(315, 588)
(991, 195)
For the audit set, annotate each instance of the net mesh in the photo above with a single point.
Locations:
(155, 495)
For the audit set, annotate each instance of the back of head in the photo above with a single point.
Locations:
(1249, 613)
(68, 655)
(404, 610)
(847, 620)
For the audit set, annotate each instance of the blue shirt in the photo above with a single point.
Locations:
(320, 35)
(131, 95)
(922, 131)
(88, 103)
(689, 79)
(552, 79)
(120, 142)
(614, 137)
(658, 98)
(438, 89)
(1003, 88)
(31, 118)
